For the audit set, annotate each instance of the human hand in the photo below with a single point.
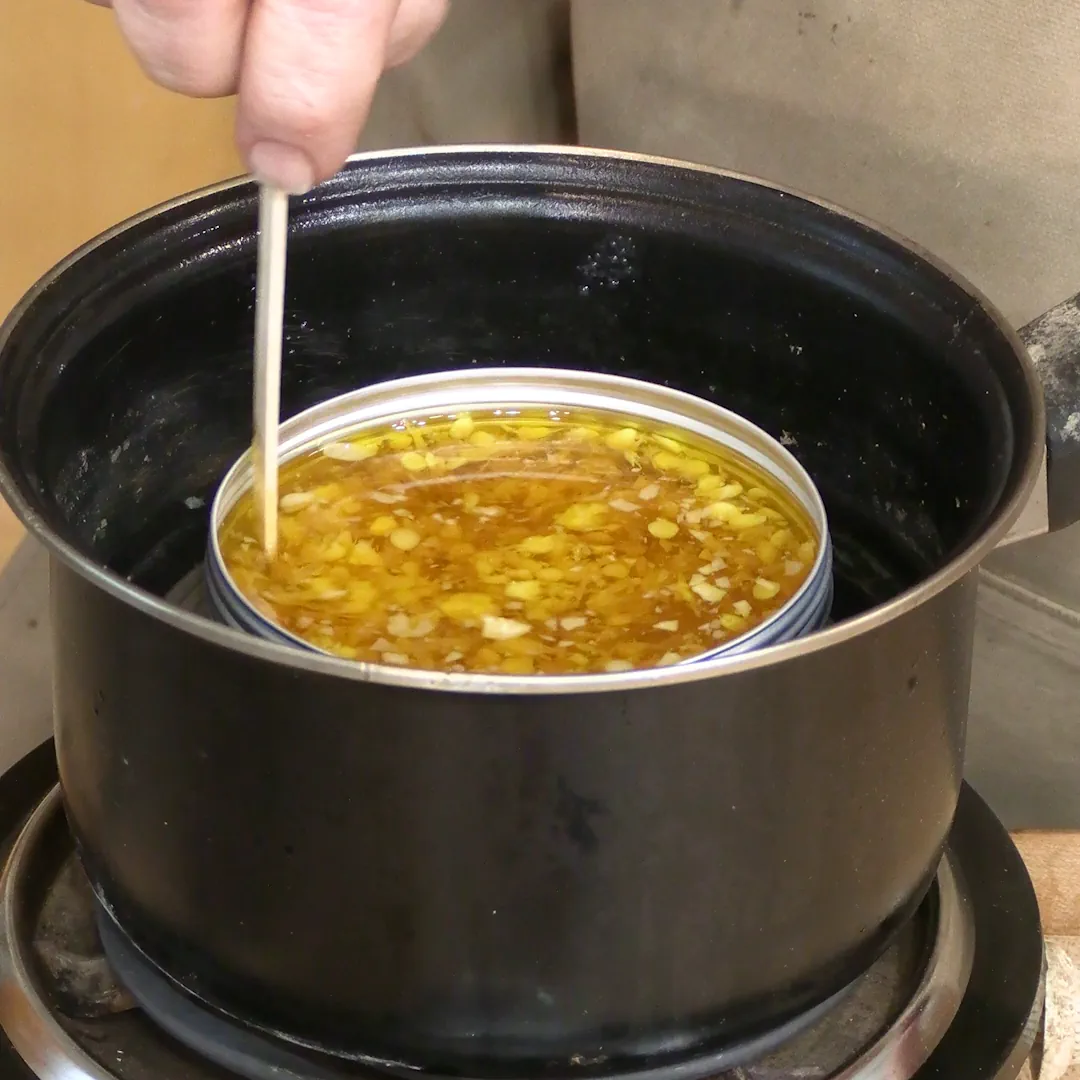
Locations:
(305, 71)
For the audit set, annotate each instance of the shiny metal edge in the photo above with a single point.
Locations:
(1021, 1054)
(441, 393)
(319, 663)
(26, 1020)
(905, 1047)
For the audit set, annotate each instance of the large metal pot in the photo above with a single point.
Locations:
(463, 873)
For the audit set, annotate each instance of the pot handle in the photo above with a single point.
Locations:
(1053, 343)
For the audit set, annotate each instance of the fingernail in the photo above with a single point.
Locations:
(281, 166)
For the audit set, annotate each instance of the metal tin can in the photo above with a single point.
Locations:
(485, 389)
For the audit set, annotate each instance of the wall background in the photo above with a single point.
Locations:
(88, 141)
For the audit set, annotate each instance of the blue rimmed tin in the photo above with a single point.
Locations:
(479, 390)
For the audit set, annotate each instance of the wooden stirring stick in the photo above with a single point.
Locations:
(269, 329)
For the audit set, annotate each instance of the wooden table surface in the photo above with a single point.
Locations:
(1053, 860)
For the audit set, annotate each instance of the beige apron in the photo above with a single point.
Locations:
(497, 71)
(955, 122)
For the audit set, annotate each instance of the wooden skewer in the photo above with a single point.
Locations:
(269, 330)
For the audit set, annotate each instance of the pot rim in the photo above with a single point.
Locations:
(320, 663)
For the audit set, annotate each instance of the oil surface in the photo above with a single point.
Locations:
(519, 542)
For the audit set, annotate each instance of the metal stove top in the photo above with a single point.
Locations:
(957, 995)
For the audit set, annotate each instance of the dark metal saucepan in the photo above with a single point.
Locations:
(562, 874)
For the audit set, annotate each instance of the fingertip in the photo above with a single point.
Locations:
(279, 165)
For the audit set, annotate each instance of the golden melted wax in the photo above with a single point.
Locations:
(541, 542)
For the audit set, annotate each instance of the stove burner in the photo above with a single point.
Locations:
(931, 1007)
(66, 944)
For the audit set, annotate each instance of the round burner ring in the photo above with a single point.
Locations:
(53, 1054)
(25, 1016)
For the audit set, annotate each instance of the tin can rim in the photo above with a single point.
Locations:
(480, 388)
